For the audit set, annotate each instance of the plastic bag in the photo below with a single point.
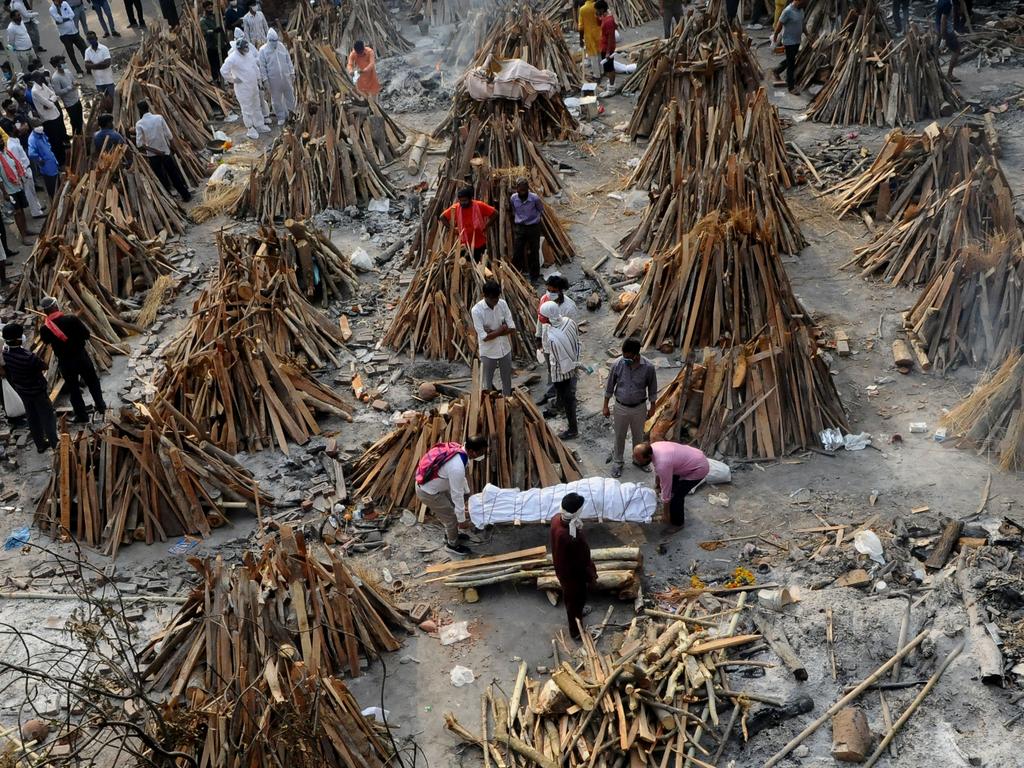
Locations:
(455, 632)
(18, 538)
(831, 439)
(361, 260)
(857, 442)
(868, 543)
(718, 473)
(13, 406)
(461, 676)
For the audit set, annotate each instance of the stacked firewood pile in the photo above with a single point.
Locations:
(137, 479)
(490, 154)
(877, 80)
(704, 63)
(991, 419)
(319, 70)
(618, 571)
(438, 12)
(816, 59)
(972, 310)
(332, 157)
(341, 24)
(251, 663)
(522, 33)
(523, 451)
(663, 696)
(174, 85)
(434, 316)
(236, 375)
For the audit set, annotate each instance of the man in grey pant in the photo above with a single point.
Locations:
(671, 14)
(633, 382)
(900, 14)
(492, 320)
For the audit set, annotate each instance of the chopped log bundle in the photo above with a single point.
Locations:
(320, 70)
(762, 399)
(878, 80)
(164, 74)
(909, 168)
(236, 374)
(238, 618)
(972, 310)
(650, 703)
(704, 63)
(137, 479)
(915, 248)
(490, 154)
(332, 157)
(434, 316)
(523, 451)
(723, 283)
(991, 419)
(618, 571)
(729, 184)
(522, 33)
(350, 20)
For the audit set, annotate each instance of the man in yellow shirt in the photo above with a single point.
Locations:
(590, 39)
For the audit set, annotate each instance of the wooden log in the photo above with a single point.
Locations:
(851, 735)
(902, 357)
(779, 643)
(944, 546)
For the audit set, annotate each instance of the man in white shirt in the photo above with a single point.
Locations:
(64, 19)
(441, 486)
(494, 326)
(19, 41)
(44, 100)
(29, 17)
(153, 138)
(99, 63)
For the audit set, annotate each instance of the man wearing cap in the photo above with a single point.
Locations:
(527, 210)
(25, 372)
(570, 555)
(678, 470)
(68, 336)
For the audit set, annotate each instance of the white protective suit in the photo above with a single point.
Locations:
(242, 70)
(279, 75)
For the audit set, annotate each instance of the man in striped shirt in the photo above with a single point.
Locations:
(565, 350)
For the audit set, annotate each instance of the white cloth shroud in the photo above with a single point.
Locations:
(607, 500)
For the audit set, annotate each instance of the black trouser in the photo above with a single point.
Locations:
(170, 12)
(76, 371)
(75, 117)
(566, 393)
(789, 64)
(900, 13)
(215, 59)
(526, 248)
(42, 421)
(671, 16)
(50, 182)
(680, 489)
(732, 7)
(57, 133)
(133, 8)
(71, 41)
(166, 169)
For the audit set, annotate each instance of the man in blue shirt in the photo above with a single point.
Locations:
(527, 210)
(40, 151)
(106, 137)
(789, 30)
(947, 32)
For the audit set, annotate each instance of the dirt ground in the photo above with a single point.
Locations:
(959, 724)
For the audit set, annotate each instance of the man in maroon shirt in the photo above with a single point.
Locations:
(570, 554)
(608, 29)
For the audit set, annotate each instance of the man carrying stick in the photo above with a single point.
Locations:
(570, 555)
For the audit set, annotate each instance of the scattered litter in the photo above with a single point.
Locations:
(868, 543)
(718, 500)
(18, 538)
(379, 205)
(857, 442)
(918, 427)
(455, 632)
(378, 714)
(776, 599)
(361, 260)
(461, 676)
(183, 546)
(939, 435)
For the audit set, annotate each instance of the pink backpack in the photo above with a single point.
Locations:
(432, 461)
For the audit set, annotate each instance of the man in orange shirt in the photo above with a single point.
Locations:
(471, 217)
(362, 63)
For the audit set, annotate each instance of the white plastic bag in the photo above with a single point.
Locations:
(718, 473)
(13, 406)
(361, 260)
(868, 543)
(461, 676)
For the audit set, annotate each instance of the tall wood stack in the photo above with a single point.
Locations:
(971, 312)
(434, 316)
(251, 663)
(489, 154)
(342, 24)
(236, 374)
(164, 73)
(333, 156)
(702, 159)
(138, 479)
(878, 80)
(523, 452)
(706, 63)
(991, 419)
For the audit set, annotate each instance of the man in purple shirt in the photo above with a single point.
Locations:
(527, 210)
(678, 468)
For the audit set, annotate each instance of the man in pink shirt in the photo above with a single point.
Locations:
(678, 468)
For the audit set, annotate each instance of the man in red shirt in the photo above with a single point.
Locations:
(570, 554)
(471, 217)
(608, 29)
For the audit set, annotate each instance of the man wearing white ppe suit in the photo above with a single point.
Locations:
(241, 68)
(279, 75)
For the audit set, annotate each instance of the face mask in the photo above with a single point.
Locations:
(39, 129)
